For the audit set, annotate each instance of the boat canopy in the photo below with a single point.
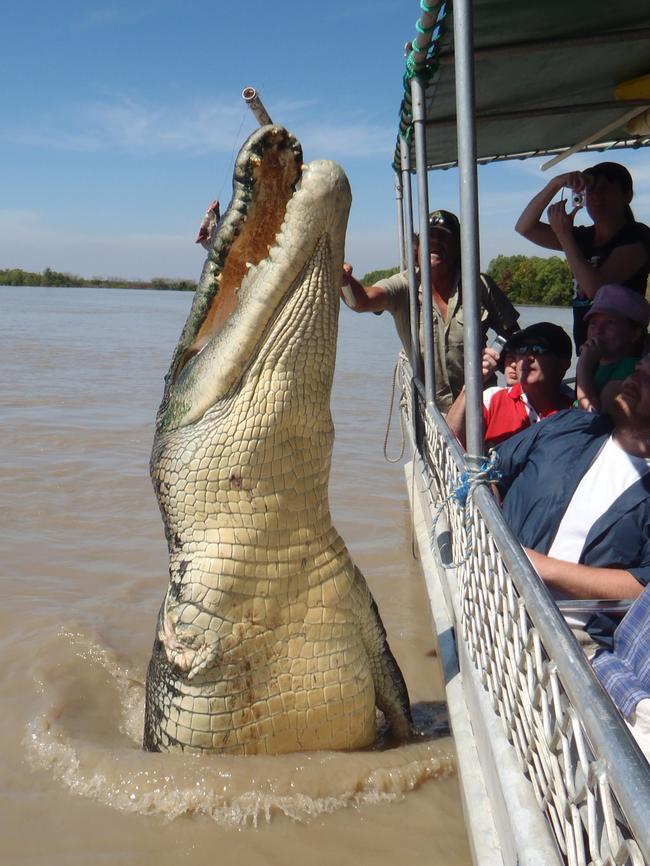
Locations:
(549, 77)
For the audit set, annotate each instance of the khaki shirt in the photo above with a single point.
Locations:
(497, 313)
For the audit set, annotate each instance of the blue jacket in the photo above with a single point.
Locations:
(541, 468)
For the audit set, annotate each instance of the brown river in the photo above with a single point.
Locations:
(84, 570)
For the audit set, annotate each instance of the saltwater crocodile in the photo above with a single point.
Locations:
(268, 639)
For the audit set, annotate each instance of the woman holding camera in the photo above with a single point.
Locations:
(615, 249)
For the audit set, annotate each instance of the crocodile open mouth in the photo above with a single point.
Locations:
(267, 172)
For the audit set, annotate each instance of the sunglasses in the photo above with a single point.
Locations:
(531, 349)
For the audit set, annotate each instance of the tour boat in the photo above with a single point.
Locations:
(549, 772)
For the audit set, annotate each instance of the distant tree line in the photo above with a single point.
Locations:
(524, 279)
(372, 277)
(49, 277)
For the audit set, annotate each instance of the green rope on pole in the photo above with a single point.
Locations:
(419, 26)
(425, 69)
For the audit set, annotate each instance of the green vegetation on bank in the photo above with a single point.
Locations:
(525, 279)
(18, 277)
(533, 280)
(373, 277)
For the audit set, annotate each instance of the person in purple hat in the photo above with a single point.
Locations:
(615, 249)
(617, 322)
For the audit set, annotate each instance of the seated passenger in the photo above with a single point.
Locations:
(575, 494)
(616, 323)
(507, 364)
(392, 294)
(625, 671)
(543, 355)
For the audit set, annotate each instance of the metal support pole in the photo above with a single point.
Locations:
(414, 304)
(419, 130)
(469, 234)
(399, 200)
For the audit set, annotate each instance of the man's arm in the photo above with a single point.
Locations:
(455, 418)
(584, 581)
(367, 299)
(587, 394)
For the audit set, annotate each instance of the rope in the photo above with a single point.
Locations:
(469, 480)
(414, 540)
(426, 69)
(401, 421)
(419, 26)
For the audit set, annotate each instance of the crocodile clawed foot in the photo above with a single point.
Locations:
(203, 659)
(187, 659)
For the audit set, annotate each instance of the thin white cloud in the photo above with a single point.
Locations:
(347, 141)
(125, 123)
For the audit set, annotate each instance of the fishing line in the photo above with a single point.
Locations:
(229, 173)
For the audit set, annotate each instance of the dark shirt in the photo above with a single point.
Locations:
(631, 233)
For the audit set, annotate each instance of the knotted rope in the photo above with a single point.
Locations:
(469, 480)
(402, 403)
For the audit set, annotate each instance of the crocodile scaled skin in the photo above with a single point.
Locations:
(268, 639)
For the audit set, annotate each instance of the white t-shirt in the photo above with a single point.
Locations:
(609, 476)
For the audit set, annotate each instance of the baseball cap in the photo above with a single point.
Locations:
(612, 171)
(552, 337)
(620, 301)
(446, 220)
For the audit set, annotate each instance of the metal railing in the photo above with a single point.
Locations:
(588, 776)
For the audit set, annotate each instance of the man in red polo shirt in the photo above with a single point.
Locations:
(543, 355)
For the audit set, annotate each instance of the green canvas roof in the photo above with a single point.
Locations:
(545, 76)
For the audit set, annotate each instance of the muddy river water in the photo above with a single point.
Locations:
(83, 571)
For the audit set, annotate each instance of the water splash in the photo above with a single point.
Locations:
(89, 735)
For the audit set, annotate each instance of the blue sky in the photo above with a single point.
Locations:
(121, 120)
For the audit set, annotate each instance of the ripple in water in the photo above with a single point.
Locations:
(89, 738)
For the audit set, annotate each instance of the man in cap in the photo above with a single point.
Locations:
(575, 493)
(543, 355)
(392, 294)
(617, 323)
